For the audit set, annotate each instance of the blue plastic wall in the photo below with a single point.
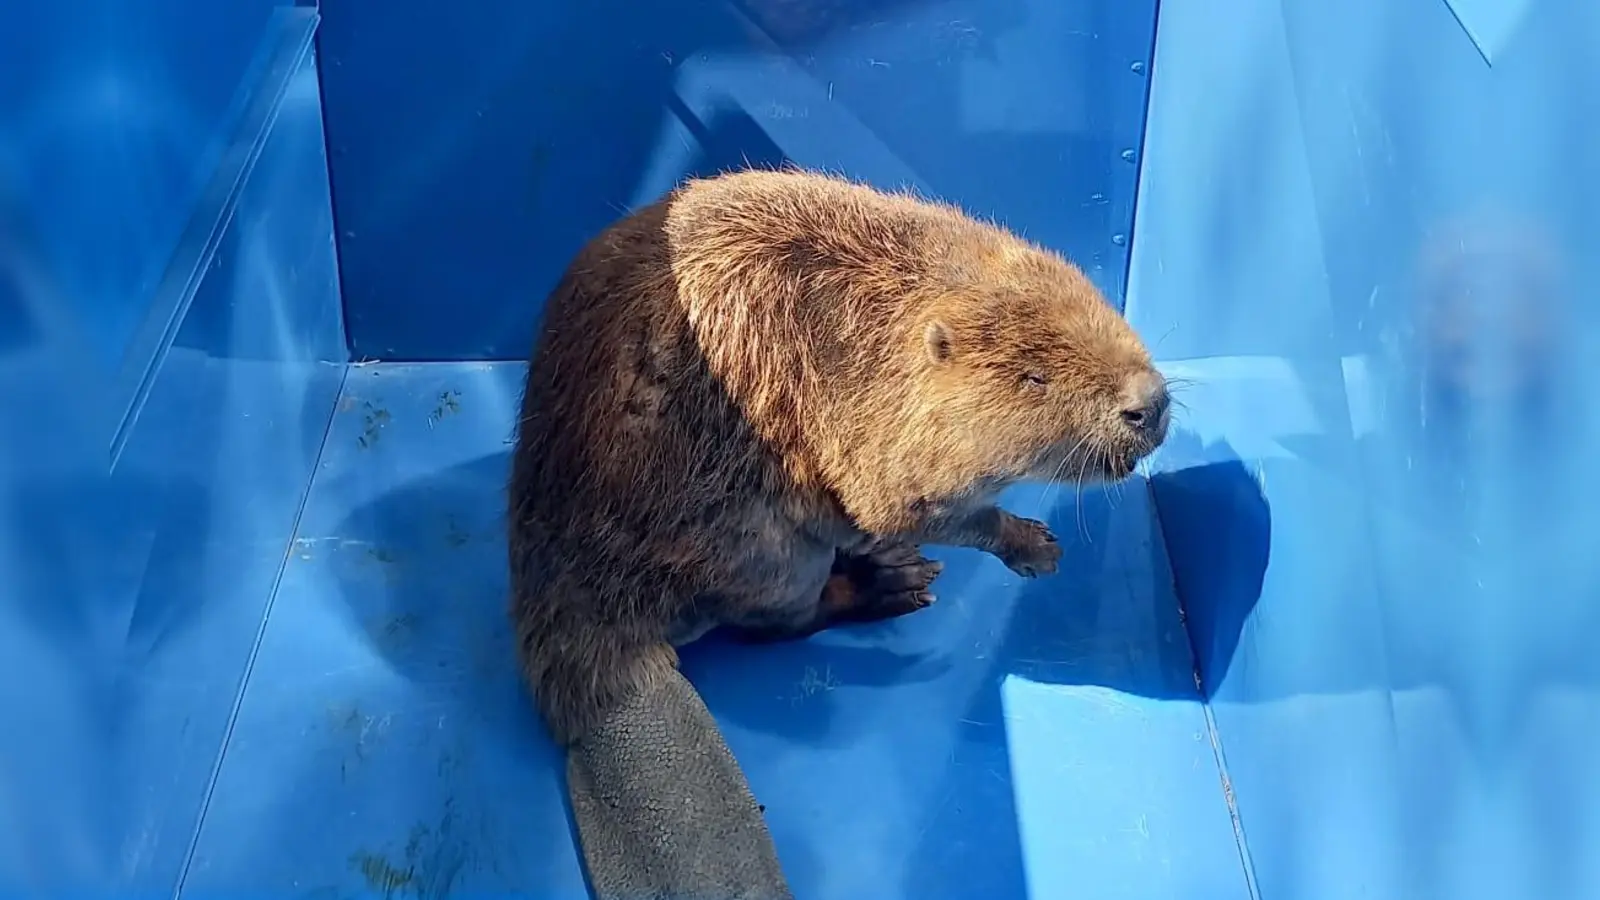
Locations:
(119, 116)
(1368, 238)
(473, 152)
(171, 346)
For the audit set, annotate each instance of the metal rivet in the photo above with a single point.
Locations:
(1119, 239)
(1138, 68)
(1127, 156)
(1098, 198)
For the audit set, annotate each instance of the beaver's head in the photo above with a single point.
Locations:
(1039, 378)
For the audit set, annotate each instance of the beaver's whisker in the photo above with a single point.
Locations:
(1055, 485)
(1053, 490)
(1103, 452)
(1083, 526)
(1078, 480)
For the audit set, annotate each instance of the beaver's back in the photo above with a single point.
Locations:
(829, 271)
(625, 439)
(748, 339)
(714, 346)
(642, 501)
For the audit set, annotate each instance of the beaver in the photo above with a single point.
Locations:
(752, 402)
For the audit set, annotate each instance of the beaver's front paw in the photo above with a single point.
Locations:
(1028, 548)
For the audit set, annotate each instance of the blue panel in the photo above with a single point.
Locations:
(113, 117)
(475, 149)
(1015, 740)
(1366, 249)
(201, 240)
(1490, 23)
(218, 463)
(112, 121)
(60, 548)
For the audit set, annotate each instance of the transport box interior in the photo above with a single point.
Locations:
(284, 262)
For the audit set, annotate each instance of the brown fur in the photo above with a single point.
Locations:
(751, 400)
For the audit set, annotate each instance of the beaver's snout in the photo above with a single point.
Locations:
(1146, 407)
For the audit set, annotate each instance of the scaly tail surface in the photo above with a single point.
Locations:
(663, 811)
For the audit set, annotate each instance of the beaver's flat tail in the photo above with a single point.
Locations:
(663, 811)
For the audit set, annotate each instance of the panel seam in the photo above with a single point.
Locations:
(1213, 734)
(255, 645)
(218, 228)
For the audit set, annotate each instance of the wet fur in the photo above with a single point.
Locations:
(748, 388)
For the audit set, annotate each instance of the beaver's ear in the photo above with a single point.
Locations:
(936, 339)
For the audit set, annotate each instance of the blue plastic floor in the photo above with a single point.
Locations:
(1037, 740)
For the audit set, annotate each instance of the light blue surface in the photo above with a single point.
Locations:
(475, 150)
(219, 458)
(1014, 740)
(1356, 238)
(168, 299)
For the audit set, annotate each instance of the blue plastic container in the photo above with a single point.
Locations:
(268, 273)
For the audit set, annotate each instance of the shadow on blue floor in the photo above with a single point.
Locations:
(385, 745)
(1060, 631)
(1231, 543)
(1003, 742)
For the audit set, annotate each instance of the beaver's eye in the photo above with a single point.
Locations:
(1034, 380)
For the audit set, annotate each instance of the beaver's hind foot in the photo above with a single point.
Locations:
(888, 581)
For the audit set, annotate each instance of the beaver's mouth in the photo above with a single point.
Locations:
(1088, 468)
(1117, 466)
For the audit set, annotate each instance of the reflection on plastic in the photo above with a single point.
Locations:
(1364, 250)
(118, 685)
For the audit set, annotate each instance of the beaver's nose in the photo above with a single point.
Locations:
(1146, 404)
